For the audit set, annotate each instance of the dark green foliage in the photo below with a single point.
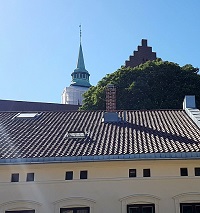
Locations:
(153, 85)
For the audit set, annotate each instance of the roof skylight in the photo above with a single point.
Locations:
(77, 134)
(26, 115)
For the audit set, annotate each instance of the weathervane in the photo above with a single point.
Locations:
(80, 32)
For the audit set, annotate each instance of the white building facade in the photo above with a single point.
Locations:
(147, 161)
(108, 187)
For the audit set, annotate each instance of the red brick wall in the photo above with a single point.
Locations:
(143, 54)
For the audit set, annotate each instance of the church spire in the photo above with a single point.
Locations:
(80, 63)
(80, 76)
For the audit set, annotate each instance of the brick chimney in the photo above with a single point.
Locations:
(111, 116)
(110, 98)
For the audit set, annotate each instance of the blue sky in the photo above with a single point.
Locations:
(39, 40)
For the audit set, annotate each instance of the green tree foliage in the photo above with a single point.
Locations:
(153, 85)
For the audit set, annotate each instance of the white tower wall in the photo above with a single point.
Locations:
(73, 95)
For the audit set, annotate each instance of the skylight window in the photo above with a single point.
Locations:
(78, 134)
(26, 115)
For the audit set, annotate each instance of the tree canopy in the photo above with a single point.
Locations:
(153, 85)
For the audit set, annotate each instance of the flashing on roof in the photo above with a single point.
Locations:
(111, 117)
(76, 134)
(27, 115)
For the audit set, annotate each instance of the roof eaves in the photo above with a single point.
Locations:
(73, 159)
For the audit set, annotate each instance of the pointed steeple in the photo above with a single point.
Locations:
(80, 76)
(80, 62)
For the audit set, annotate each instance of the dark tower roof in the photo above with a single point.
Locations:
(11, 106)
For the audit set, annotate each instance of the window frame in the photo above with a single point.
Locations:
(74, 209)
(69, 173)
(82, 173)
(30, 177)
(197, 171)
(140, 207)
(132, 173)
(145, 174)
(27, 115)
(189, 204)
(21, 211)
(76, 135)
(14, 177)
(192, 197)
(184, 172)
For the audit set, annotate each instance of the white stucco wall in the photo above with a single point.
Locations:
(73, 95)
(107, 189)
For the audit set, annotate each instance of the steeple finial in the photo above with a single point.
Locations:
(80, 32)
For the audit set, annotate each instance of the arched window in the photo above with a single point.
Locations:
(140, 203)
(187, 202)
(21, 206)
(74, 205)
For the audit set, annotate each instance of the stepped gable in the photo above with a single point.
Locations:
(143, 54)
